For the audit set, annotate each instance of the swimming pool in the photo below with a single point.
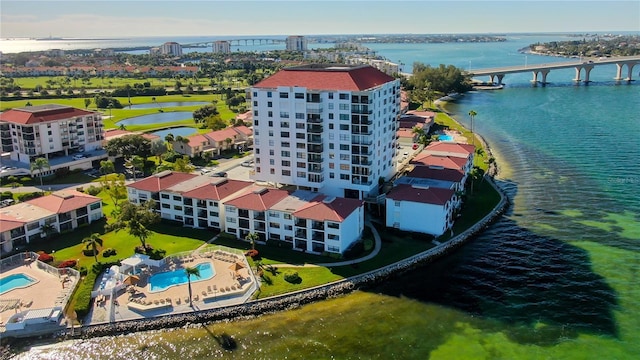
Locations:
(165, 280)
(445, 138)
(15, 281)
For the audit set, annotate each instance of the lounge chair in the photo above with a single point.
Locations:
(196, 298)
(209, 289)
(178, 301)
(156, 301)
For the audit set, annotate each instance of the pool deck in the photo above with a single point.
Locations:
(46, 292)
(206, 294)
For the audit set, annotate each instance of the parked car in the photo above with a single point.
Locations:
(219, 174)
(205, 171)
(248, 163)
(78, 156)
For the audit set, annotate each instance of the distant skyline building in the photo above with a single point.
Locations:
(327, 128)
(296, 43)
(221, 47)
(171, 48)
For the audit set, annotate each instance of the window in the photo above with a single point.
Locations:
(166, 206)
(269, 104)
(299, 126)
(176, 198)
(214, 213)
(344, 116)
(287, 216)
(164, 196)
(345, 157)
(284, 114)
(301, 155)
(231, 220)
(179, 217)
(300, 136)
(271, 152)
(299, 95)
(284, 134)
(274, 225)
(330, 95)
(344, 147)
(284, 95)
(255, 103)
(269, 94)
(285, 153)
(230, 209)
(332, 225)
(344, 177)
(286, 172)
(300, 116)
(344, 166)
(95, 206)
(272, 171)
(332, 175)
(331, 145)
(272, 162)
(286, 163)
(270, 123)
(284, 124)
(255, 112)
(177, 207)
(270, 114)
(274, 214)
(300, 146)
(285, 144)
(300, 165)
(255, 94)
(331, 108)
(344, 127)
(256, 122)
(301, 174)
(332, 165)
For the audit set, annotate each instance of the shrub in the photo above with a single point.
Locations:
(252, 253)
(67, 264)
(44, 257)
(109, 252)
(94, 190)
(83, 294)
(266, 279)
(90, 252)
(156, 254)
(227, 236)
(29, 196)
(6, 195)
(62, 172)
(292, 277)
(25, 179)
(83, 271)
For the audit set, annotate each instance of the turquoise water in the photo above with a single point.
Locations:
(555, 278)
(157, 118)
(445, 138)
(177, 131)
(13, 281)
(165, 280)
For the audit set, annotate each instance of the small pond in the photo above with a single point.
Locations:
(160, 105)
(157, 118)
(177, 131)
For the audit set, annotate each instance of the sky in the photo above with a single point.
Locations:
(119, 18)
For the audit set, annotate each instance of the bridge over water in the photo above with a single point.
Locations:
(542, 70)
(237, 42)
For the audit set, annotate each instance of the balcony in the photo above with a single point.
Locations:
(314, 158)
(314, 139)
(187, 201)
(314, 128)
(64, 217)
(314, 168)
(355, 150)
(314, 148)
(243, 213)
(364, 180)
(258, 226)
(356, 170)
(301, 223)
(314, 98)
(202, 213)
(188, 211)
(317, 236)
(317, 225)
(201, 204)
(29, 137)
(302, 234)
(361, 160)
(364, 130)
(243, 223)
(314, 119)
(314, 108)
(258, 215)
(361, 109)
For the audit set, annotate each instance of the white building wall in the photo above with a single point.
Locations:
(418, 217)
(283, 138)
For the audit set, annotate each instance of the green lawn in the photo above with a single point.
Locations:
(311, 276)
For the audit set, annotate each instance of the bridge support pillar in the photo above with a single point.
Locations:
(500, 77)
(587, 71)
(577, 78)
(619, 67)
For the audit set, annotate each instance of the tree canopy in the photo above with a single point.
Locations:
(129, 145)
(443, 79)
(204, 112)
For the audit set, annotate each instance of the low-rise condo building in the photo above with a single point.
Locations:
(34, 219)
(421, 209)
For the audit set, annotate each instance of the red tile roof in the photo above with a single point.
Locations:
(435, 196)
(112, 133)
(447, 162)
(222, 135)
(449, 147)
(8, 223)
(341, 77)
(243, 130)
(41, 113)
(64, 201)
(258, 198)
(197, 140)
(426, 172)
(217, 191)
(324, 208)
(161, 181)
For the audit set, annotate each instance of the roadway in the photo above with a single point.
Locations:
(551, 66)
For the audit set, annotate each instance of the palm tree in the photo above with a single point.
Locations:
(48, 229)
(252, 238)
(191, 271)
(107, 167)
(169, 139)
(93, 241)
(39, 164)
(472, 115)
